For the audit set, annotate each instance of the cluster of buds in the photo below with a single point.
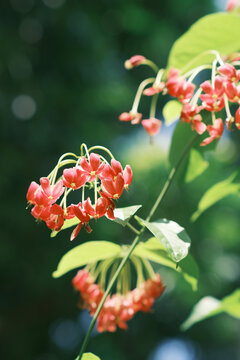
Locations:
(118, 308)
(92, 172)
(212, 95)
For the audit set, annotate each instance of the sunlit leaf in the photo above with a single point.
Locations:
(154, 251)
(216, 193)
(172, 111)
(123, 215)
(86, 253)
(67, 224)
(172, 236)
(88, 356)
(196, 166)
(213, 32)
(209, 306)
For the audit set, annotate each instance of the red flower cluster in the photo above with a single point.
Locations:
(213, 96)
(109, 182)
(118, 308)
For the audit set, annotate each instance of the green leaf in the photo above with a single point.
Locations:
(181, 137)
(89, 356)
(172, 111)
(213, 32)
(86, 253)
(216, 193)
(209, 306)
(196, 166)
(123, 215)
(172, 236)
(154, 251)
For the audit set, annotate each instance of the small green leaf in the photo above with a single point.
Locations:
(173, 237)
(216, 193)
(209, 306)
(196, 166)
(212, 32)
(205, 308)
(89, 356)
(154, 251)
(172, 111)
(86, 253)
(123, 215)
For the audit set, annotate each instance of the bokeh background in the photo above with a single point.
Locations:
(62, 82)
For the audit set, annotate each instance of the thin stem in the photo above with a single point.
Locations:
(153, 106)
(101, 148)
(134, 244)
(133, 228)
(151, 64)
(141, 87)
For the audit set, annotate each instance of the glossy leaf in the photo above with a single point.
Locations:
(172, 111)
(216, 193)
(196, 166)
(172, 236)
(154, 251)
(209, 306)
(213, 32)
(123, 215)
(86, 253)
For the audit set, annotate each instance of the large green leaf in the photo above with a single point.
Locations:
(209, 306)
(172, 236)
(213, 32)
(196, 166)
(172, 111)
(86, 253)
(123, 215)
(216, 193)
(154, 251)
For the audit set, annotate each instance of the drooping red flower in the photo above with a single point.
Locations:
(155, 89)
(127, 176)
(213, 99)
(56, 218)
(172, 81)
(41, 212)
(237, 118)
(111, 172)
(184, 91)
(74, 178)
(113, 188)
(98, 210)
(152, 126)
(92, 168)
(134, 61)
(33, 187)
(53, 192)
(233, 92)
(215, 131)
(84, 218)
(135, 118)
(231, 5)
(191, 115)
(229, 72)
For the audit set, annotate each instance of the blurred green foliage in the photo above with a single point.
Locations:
(67, 56)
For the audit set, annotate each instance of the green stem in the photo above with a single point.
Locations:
(133, 228)
(134, 244)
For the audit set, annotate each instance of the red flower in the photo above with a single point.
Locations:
(134, 61)
(92, 168)
(172, 81)
(128, 176)
(213, 99)
(233, 92)
(135, 118)
(84, 218)
(53, 192)
(74, 178)
(215, 131)
(40, 212)
(191, 115)
(155, 89)
(229, 72)
(152, 126)
(98, 210)
(56, 218)
(231, 4)
(184, 91)
(237, 118)
(113, 188)
(33, 187)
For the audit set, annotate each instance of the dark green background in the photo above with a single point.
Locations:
(69, 59)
